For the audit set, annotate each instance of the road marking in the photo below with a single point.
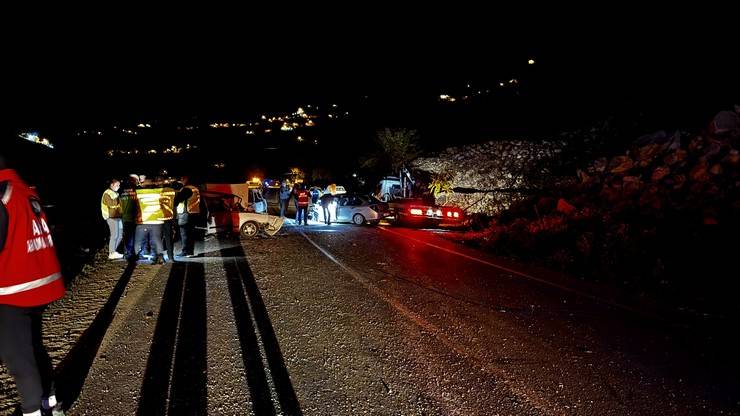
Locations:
(519, 390)
(533, 278)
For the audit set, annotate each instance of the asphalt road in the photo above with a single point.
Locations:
(345, 320)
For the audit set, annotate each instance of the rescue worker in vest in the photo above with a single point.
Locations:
(30, 279)
(129, 213)
(187, 203)
(302, 196)
(110, 207)
(149, 223)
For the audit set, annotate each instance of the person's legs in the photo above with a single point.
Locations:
(119, 233)
(17, 353)
(43, 360)
(167, 231)
(129, 231)
(188, 242)
(113, 240)
(283, 203)
(139, 235)
(155, 235)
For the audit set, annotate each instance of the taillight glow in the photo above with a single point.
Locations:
(415, 211)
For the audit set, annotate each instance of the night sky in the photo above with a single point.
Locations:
(76, 75)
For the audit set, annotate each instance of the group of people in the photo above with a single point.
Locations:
(303, 198)
(147, 220)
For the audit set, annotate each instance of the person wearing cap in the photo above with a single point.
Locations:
(30, 279)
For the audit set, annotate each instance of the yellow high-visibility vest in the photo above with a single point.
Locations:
(105, 209)
(150, 206)
(192, 204)
(167, 202)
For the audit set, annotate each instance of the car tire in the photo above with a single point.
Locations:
(358, 219)
(249, 229)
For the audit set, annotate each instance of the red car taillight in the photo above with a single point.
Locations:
(416, 211)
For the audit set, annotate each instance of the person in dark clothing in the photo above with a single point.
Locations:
(284, 198)
(129, 212)
(188, 206)
(167, 202)
(326, 205)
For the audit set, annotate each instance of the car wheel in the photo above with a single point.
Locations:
(358, 219)
(249, 229)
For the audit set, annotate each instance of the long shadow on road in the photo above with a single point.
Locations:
(253, 324)
(72, 371)
(176, 372)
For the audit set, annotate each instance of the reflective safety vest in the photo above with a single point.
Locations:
(303, 197)
(107, 209)
(29, 270)
(150, 206)
(167, 203)
(129, 206)
(192, 204)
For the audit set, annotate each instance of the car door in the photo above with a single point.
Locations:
(342, 208)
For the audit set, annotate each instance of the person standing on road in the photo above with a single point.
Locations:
(110, 207)
(30, 279)
(326, 204)
(167, 202)
(302, 198)
(129, 213)
(284, 198)
(188, 205)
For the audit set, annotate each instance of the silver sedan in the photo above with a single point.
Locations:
(357, 209)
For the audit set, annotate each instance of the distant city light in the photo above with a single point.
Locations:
(35, 138)
(531, 61)
(300, 139)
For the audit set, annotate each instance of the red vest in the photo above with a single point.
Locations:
(29, 270)
(303, 198)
